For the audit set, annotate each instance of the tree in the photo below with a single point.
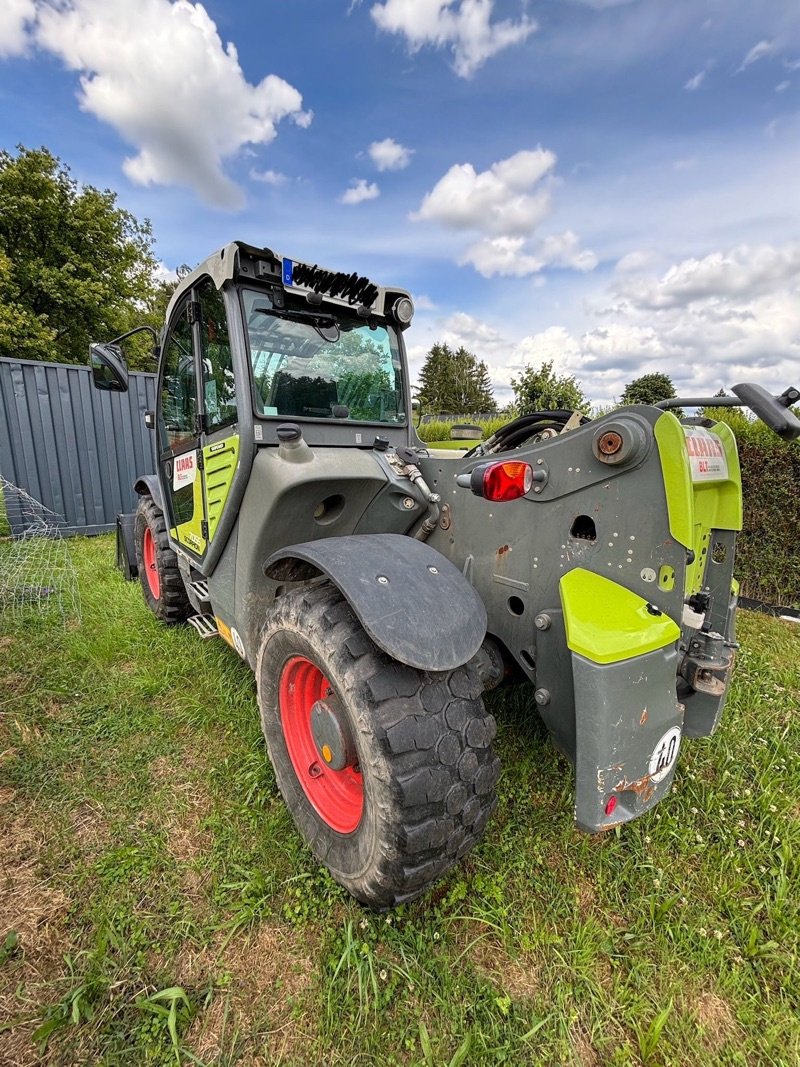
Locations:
(541, 389)
(455, 382)
(649, 389)
(74, 267)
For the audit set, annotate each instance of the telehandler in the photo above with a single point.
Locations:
(377, 586)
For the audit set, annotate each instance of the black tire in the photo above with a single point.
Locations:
(164, 591)
(422, 741)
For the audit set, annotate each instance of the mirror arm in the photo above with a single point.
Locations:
(700, 402)
(136, 329)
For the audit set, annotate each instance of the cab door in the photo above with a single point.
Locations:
(219, 440)
(179, 426)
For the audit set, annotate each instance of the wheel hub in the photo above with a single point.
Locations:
(320, 745)
(331, 734)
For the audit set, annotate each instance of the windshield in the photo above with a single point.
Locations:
(308, 365)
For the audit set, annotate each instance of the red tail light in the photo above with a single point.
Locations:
(502, 481)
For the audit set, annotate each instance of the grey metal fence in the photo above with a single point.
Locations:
(74, 448)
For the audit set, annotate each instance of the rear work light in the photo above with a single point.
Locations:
(504, 481)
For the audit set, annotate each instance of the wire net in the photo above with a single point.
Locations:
(37, 575)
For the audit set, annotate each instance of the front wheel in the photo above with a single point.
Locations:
(159, 574)
(387, 771)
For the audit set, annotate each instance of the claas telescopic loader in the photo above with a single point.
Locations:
(377, 586)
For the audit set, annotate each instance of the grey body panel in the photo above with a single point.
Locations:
(515, 555)
(704, 710)
(626, 709)
(414, 604)
(286, 502)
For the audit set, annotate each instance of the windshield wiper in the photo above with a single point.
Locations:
(313, 318)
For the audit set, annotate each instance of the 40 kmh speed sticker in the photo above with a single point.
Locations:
(664, 755)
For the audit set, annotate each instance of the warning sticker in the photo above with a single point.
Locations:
(664, 755)
(238, 644)
(185, 470)
(706, 455)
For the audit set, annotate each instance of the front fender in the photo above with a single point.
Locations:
(148, 484)
(415, 605)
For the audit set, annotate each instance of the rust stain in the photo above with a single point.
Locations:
(502, 550)
(643, 719)
(643, 787)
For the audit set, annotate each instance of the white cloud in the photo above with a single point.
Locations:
(695, 82)
(758, 51)
(389, 155)
(501, 201)
(14, 17)
(359, 191)
(501, 255)
(145, 65)
(463, 26)
(504, 205)
(634, 261)
(422, 302)
(163, 273)
(742, 272)
(781, 87)
(508, 256)
(463, 329)
(604, 5)
(269, 177)
(711, 322)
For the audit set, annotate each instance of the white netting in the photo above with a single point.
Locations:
(37, 575)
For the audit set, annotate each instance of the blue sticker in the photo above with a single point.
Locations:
(288, 270)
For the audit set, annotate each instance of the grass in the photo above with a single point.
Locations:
(158, 907)
(454, 444)
(5, 526)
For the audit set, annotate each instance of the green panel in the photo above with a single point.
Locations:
(729, 493)
(607, 623)
(696, 509)
(717, 506)
(220, 461)
(190, 533)
(677, 477)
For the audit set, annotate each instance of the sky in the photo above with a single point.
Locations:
(613, 185)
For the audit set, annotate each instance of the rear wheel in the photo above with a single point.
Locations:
(387, 771)
(162, 584)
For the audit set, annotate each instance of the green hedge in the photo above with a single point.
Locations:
(431, 432)
(768, 551)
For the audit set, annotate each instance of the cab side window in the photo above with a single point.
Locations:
(179, 386)
(219, 392)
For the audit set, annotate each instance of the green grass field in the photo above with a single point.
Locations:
(160, 908)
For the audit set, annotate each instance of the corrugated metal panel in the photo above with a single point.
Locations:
(76, 449)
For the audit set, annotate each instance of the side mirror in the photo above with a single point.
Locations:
(109, 369)
(771, 410)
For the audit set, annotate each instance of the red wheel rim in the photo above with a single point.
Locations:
(150, 567)
(336, 796)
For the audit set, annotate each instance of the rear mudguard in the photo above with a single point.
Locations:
(414, 604)
(126, 546)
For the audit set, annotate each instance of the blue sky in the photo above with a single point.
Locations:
(611, 185)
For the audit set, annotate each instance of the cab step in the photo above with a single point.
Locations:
(206, 625)
(200, 589)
